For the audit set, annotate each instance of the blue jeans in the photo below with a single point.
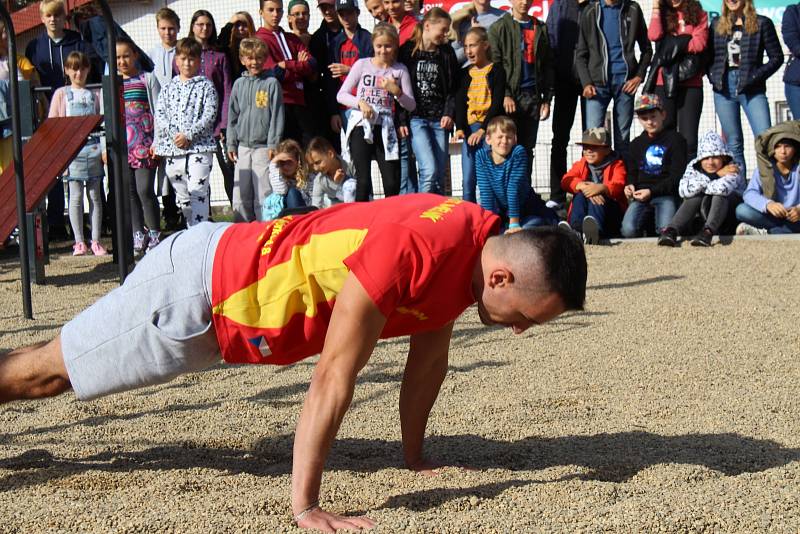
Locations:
(294, 198)
(638, 215)
(536, 213)
(408, 171)
(793, 98)
(750, 215)
(429, 141)
(623, 112)
(468, 176)
(608, 216)
(729, 104)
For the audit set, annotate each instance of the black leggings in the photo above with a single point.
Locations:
(362, 153)
(143, 199)
(683, 113)
(227, 167)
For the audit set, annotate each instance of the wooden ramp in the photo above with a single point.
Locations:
(48, 154)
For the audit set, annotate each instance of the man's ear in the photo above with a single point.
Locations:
(500, 277)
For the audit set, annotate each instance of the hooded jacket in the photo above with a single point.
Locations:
(285, 46)
(48, 57)
(591, 56)
(362, 40)
(695, 182)
(255, 114)
(765, 149)
(188, 107)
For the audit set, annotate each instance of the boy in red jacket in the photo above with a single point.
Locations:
(597, 183)
(286, 51)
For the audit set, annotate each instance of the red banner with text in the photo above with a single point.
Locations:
(539, 9)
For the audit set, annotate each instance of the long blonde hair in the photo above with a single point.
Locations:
(293, 148)
(434, 15)
(728, 19)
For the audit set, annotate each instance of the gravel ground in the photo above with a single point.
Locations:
(670, 405)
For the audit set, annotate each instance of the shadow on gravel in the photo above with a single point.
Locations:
(102, 272)
(642, 282)
(608, 458)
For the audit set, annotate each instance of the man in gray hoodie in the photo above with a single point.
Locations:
(255, 125)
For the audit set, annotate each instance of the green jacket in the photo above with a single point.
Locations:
(505, 37)
(765, 149)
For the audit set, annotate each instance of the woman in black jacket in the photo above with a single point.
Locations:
(738, 74)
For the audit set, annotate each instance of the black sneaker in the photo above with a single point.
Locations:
(703, 239)
(668, 238)
(591, 231)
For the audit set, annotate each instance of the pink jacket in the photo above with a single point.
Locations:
(697, 43)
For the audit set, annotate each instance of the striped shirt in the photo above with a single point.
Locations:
(479, 98)
(504, 188)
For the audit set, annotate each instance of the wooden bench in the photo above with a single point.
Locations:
(45, 157)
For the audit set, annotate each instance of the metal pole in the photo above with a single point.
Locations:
(114, 145)
(18, 170)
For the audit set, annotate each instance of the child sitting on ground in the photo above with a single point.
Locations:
(479, 99)
(185, 117)
(597, 184)
(772, 201)
(287, 176)
(657, 162)
(86, 170)
(711, 182)
(503, 185)
(255, 125)
(333, 181)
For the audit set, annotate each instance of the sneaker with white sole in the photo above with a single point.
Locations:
(98, 249)
(591, 230)
(749, 229)
(139, 242)
(79, 249)
(153, 239)
(554, 205)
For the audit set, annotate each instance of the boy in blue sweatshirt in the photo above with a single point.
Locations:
(772, 203)
(504, 186)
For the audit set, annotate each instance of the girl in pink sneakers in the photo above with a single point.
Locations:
(86, 170)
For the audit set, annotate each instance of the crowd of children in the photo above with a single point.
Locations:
(253, 99)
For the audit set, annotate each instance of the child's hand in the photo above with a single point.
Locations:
(402, 132)
(390, 84)
(793, 214)
(590, 91)
(598, 200)
(232, 156)
(104, 156)
(270, 153)
(459, 135)
(629, 191)
(544, 111)
(476, 138)
(446, 123)
(303, 56)
(338, 70)
(730, 168)
(339, 176)
(642, 195)
(180, 140)
(509, 105)
(776, 209)
(366, 110)
(591, 189)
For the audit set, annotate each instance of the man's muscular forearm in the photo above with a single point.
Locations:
(425, 371)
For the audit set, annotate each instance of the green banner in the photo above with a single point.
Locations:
(772, 9)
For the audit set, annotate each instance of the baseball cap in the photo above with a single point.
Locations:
(646, 102)
(293, 3)
(596, 137)
(344, 5)
(323, 2)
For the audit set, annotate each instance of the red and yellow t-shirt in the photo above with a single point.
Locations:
(274, 284)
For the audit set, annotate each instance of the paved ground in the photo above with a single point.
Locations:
(670, 405)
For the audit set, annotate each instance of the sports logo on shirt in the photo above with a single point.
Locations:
(261, 99)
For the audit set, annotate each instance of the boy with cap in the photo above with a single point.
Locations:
(772, 199)
(655, 167)
(597, 183)
(349, 45)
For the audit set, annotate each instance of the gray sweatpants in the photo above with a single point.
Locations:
(713, 209)
(250, 183)
(94, 190)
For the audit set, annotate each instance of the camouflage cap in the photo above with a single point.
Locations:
(596, 137)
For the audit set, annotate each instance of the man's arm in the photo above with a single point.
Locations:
(355, 326)
(425, 371)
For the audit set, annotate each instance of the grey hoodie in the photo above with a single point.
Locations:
(695, 182)
(255, 112)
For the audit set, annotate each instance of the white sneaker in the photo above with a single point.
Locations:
(591, 231)
(749, 229)
(553, 205)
